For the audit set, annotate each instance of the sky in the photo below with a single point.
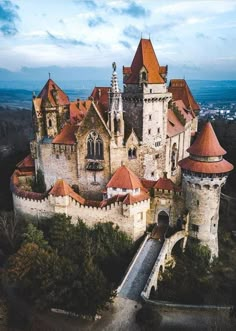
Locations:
(196, 38)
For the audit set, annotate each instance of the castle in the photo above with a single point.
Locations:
(125, 157)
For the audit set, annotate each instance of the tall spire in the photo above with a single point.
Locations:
(116, 121)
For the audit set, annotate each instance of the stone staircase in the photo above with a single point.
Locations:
(138, 276)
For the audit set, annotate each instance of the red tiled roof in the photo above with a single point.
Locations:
(206, 143)
(222, 166)
(165, 183)
(148, 184)
(131, 199)
(180, 90)
(174, 126)
(163, 70)
(52, 95)
(61, 188)
(145, 57)
(126, 70)
(78, 110)
(186, 113)
(27, 164)
(66, 136)
(101, 100)
(124, 178)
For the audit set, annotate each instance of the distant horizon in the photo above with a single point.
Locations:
(194, 38)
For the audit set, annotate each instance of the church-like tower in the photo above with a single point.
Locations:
(204, 173)
(116, 120)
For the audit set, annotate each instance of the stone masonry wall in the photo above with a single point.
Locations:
(130, 218)
(57, 164)
(202, 199)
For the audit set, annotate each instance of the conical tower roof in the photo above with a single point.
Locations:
(145, 57)
(124, 178)
(53, 95)
(206, 143)
(206, 154)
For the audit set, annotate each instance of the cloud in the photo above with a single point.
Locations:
(133, 10)
(126, 44)
(60, 41)
(201, 35)
(222, 38)
(90, 4)
(8, 17)
(132, 32)
(92, 22)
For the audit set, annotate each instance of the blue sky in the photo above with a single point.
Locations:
(196, 38)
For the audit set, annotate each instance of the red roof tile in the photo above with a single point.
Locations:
(145, 57)
(206, 143)
(61, 188)
(222, 166)
(148, 184)
(66, 136)
(131, 199)
(78, 110)
(101, 99)
(27, 164)
(124, 178)
(187, 114)
(180, 90)
(174, 126)
(53, 95)
(165, 183)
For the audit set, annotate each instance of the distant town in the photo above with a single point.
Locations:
(212, 110)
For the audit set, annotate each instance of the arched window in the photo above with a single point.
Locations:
(144, 75)
(94, 146)
(50, 123)
(132, 153)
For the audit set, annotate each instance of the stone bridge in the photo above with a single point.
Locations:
(163, 256)
(149, 261)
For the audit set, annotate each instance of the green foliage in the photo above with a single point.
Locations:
(189, 281)
(33, 235)
(39, 184)
(67, 266)
(178, 114)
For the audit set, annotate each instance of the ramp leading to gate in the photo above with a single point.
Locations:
(140, 270)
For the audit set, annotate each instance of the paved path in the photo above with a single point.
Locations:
(141, 270)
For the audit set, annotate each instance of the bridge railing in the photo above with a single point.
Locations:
(160, 262)
(130, 267)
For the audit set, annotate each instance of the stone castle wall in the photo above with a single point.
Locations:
(202, 199)
(130, 218)
(57, 161)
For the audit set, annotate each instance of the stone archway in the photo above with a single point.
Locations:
(163, 219)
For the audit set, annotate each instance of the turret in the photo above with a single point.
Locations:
(146, 97)
(204, 173)
(50, 110)
(116, 120)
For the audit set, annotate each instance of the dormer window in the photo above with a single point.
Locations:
(144, 75)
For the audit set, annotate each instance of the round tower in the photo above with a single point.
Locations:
(204, 173)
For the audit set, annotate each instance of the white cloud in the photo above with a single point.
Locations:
(174, 26)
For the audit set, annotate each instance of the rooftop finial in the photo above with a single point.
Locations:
(114, 66)
(49, 75)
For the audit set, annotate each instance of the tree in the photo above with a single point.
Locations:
(39, 183)
(67, 266)
(33, 235)
(11, 230)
